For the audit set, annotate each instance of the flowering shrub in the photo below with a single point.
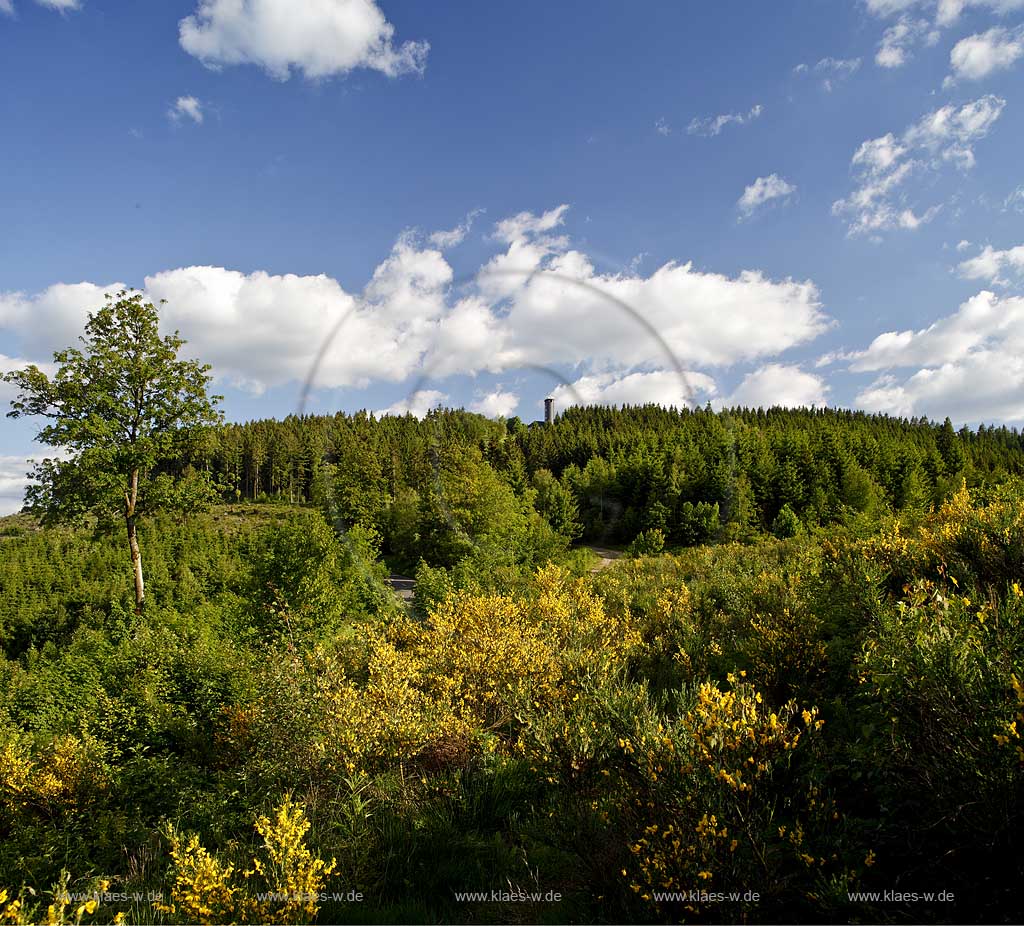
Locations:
(23, 910)
(484, 654)
(419, 691)
(1011, 734)
(704, 804)
(978, 539)
(938, 679)
(204, 890)
(282, 886)
(311, 718)
(289, 867)
(62, 776)
(785, 651)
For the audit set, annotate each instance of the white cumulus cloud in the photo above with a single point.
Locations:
(984, 322)
(659, 387)
(779, 384)
(186, 107)
(987, 386)
(894, 50)
(920, 21)
(416, 405)
(496, 404)
(559, 308)
(7, 6)
(889, 7)
(831, 70)
(261, 330)
(1015, 201)
(319, 38)
(977, 56)
(763, 190)
(950, 132)
(455, 236)
(538, 303)
(14, 479)
(968, 365)
(526, 224)
(946, 12)
(52, 319)
(994, 266)
(13, 482)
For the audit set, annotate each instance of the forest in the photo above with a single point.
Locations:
(797, 696)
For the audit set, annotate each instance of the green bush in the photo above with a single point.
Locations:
(786, 523)
(647, 543)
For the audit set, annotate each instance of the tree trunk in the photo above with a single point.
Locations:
(131, 498)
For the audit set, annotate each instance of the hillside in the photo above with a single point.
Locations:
(803, 706)
(604, 475)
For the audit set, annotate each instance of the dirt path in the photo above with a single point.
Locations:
(404, 587)
(607, 557)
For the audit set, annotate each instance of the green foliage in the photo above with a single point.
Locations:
(556, 503)
(56, 580)
(786, 523)
(401, 525)
(602, 475)
(857, 490)
(433, 586)
(647, 543)
(306, 581)
(741, 508)
(840, 710)
(123, 403)
(131, 415)
(948, 445)
(697, 523)
(466, 505)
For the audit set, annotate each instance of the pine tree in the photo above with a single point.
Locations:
(950, 448)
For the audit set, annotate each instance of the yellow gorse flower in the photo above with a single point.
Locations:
(207, 890)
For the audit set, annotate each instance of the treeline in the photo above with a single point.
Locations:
(814, 719)
(605, 474)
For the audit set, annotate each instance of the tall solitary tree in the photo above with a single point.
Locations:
(126, 411)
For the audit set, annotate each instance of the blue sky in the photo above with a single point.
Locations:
(816, 201)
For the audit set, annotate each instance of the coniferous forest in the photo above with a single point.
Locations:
(660, 665)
